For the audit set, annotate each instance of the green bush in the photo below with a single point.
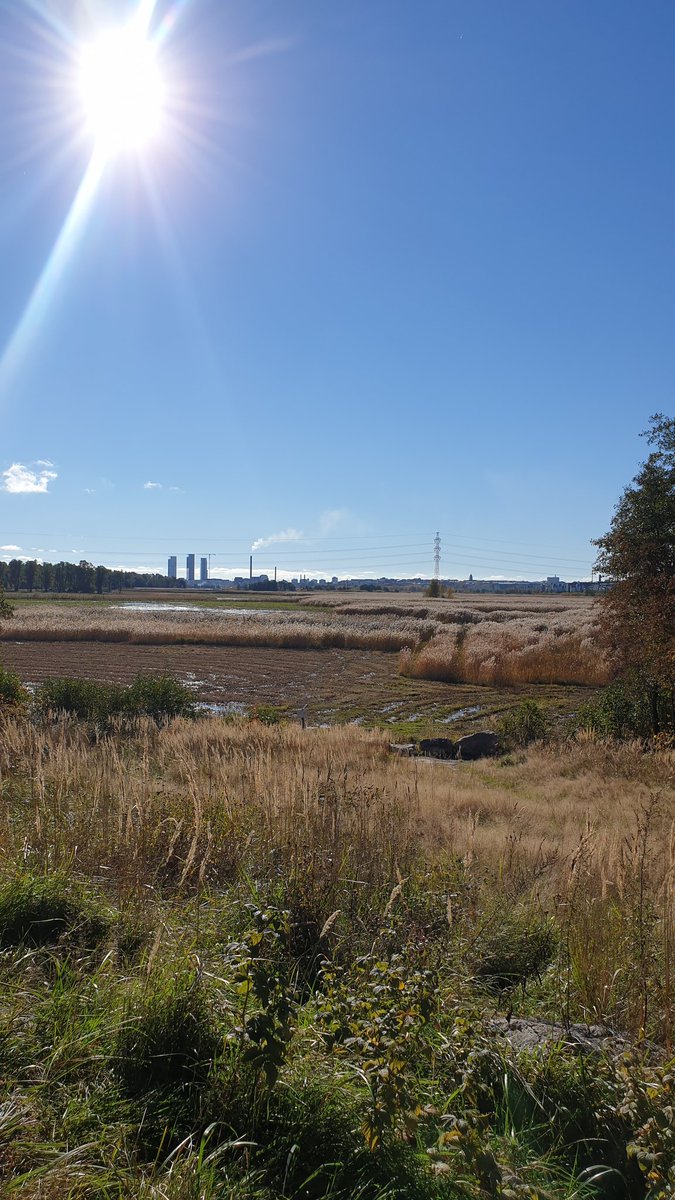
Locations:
(267, 714)
(81, 698)
(527, 722)
(623, 710)
(11, 690)
(38, 909)
(161, 698)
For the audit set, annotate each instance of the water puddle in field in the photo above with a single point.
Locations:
(233, 708)
(196, 610)
(461, 712)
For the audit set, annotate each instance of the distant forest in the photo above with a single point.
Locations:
(33, 576)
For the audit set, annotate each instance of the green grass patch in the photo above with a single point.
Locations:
(39, 909)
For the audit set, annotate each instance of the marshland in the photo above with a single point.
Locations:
(242, 957)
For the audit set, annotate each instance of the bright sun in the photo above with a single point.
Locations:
(122, 90)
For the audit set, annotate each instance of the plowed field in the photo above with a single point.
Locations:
(329, 684)
(318, 680)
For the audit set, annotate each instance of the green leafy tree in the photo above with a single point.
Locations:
(6, 609)
(638, 556)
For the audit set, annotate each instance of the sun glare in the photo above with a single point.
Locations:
(122, 90)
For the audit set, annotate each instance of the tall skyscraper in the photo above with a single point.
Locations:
(173, 567)
(203, 569)
(190, 565)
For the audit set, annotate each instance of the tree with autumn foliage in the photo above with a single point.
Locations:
(638, 557)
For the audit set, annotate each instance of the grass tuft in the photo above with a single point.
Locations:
(39, 909)
(168, 1037)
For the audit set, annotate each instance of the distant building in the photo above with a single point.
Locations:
(190, 568)
(203, 569)
(173, 567)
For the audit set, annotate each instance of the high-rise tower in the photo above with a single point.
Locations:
(173, 567)
(190, 567)
(203, 570)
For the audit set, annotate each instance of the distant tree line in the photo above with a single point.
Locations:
(18, 575)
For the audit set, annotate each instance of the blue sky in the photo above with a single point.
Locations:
(387, 268)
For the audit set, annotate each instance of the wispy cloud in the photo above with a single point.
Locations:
(150, 486)
(285, 535)
(264, 49)
(19, 478)
(331, 519)
(10, 547)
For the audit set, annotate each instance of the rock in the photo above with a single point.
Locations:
(477, 745)
(437, 747)
(530, 1033)
(406, 749)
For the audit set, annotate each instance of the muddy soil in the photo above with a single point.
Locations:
(361, 685)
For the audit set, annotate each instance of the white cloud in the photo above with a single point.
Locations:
(90, 491)
(19, 478)
(44, 462)
(286, 535)
(150, 485)
(10, 547)
(331, 519)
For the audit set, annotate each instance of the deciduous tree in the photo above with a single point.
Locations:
(638, 556)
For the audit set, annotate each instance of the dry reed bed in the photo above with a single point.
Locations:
(53, 622)
(207, 798)
(492, 642)
(332, 826)
(524, 651)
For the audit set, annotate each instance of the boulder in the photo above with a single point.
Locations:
(477, 745)
(437, 747)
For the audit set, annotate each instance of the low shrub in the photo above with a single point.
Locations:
(82, 698)
(38, 909)
(267, 714)
(12, 692)
(527, 722)
(627, 710)
(161, 698)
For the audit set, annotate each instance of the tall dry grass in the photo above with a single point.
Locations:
(329, 822)
(78, 623)
(209, 797)
(483, 640)
(503, 653)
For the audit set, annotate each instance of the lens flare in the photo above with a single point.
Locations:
(122, 90)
